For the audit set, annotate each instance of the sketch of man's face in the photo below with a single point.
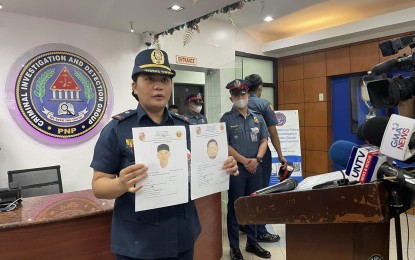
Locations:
(212, 149)
(163, 156)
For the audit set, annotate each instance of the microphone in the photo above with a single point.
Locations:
(374, 128)
(374, 131)
(367, 164)
(397, 141)
(287, 185)
(340, 152)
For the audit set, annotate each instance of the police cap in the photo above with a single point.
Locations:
(153, 61)
(238, 87)
(195, 98)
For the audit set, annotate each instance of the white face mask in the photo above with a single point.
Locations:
(196, 108)
(241, 103)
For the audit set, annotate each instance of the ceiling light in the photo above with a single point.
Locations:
(268, 19)
(175, 8)
(1, 6)
(131, 27)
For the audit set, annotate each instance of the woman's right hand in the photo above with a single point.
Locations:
(132, 175)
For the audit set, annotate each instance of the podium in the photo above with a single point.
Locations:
(349, 222)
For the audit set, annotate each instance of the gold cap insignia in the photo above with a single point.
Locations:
(157, 57)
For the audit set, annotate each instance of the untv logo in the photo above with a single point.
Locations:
(399, 137)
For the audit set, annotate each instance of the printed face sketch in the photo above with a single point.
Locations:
(212, 148)
(163, 154)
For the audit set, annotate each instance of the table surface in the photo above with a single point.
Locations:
(53, 208)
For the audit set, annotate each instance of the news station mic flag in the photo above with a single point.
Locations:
(288, 128)
(397, 137)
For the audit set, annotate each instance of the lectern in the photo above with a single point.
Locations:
(349, 222)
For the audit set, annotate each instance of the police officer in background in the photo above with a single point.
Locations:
(195, 104)
(247, 143)
(265, 108)
(162, 233)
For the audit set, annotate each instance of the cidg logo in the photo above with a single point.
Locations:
(61, 94)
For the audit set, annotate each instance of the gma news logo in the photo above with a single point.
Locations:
(400, 136)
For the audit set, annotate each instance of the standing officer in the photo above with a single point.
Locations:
(162, 233)
(266, 110)
(247, 142)
(195, 104)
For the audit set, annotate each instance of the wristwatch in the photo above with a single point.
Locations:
(259, 159)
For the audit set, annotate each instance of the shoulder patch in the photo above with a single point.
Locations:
(181, 117)
(271, 107)
(125, 114)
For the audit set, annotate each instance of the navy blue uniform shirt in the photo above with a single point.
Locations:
(244, 134)
(264, 107)
(150, 234)
(196, 121)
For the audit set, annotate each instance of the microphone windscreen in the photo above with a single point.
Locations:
(384, 67)
(374, 129)
(340, 152)
(359, 133)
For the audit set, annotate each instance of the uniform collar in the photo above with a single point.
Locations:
(141, 113)
(253, 95)
(235, 111)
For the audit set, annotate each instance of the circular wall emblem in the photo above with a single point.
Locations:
(375, 257)
(60, 92)
(281, 118)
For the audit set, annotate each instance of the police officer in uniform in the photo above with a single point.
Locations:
(195, 104)
(247, 142)
(163, 233)
(265, 108)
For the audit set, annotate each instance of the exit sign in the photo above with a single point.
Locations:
(186, 60)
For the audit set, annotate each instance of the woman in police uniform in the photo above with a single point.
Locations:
(163, 233)
(247, 142)
(266, 110)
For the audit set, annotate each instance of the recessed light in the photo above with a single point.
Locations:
(1, 6)
(268, 19)
(175, 8)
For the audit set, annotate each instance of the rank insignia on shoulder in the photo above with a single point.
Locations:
(271, 107)
(124, 115)
(256, 120)
(181, 117)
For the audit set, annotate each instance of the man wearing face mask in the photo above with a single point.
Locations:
(247, 143)
(195, 105)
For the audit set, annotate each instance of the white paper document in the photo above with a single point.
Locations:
(209, 151)
(309, 182)
(164, 151)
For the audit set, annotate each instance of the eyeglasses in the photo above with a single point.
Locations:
(9, 206)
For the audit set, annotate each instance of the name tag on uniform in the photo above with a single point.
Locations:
(254, 134)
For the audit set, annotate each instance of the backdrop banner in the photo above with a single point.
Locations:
(288, 128)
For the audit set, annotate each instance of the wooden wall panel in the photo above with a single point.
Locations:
(338, 61)
(313, 87)
(315, 114)
(293, 92)
(317, 162)
(315, 65)
(293, 68)
(280, 89)
(363, 56)
(316, 138)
